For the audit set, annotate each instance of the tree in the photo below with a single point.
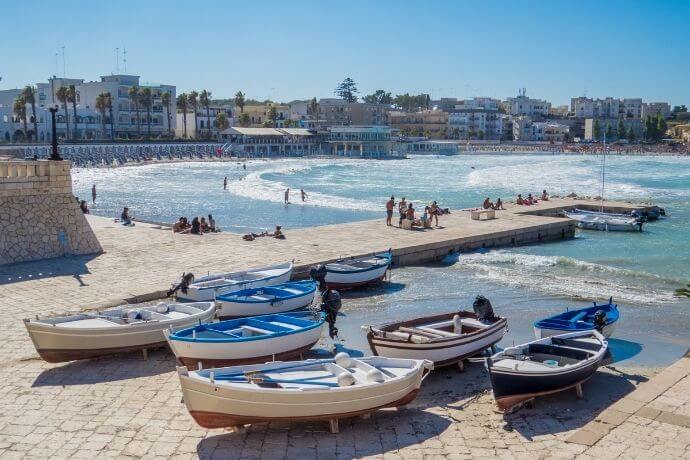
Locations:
(146, 99)
(102, 107)
(19, 110)
(29, 95)
(620, 131)
(679, 109)
(62, 96)
(222, 122)
(650, 128)
(272, 115)
(410, 102)
(205, 99)
(289, 123)
(379, 97)
(166, 99)
(631, 134)
(72, 97)
(244, 120)
(347, 90)
(597, 130)
(661, 127)
(109, 103)
(182, 104)
(239, 100)
(313, 109)
(193, 102)
(133, 94)
(609, 132)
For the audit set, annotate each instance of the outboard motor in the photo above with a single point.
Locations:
(187, 280)
(599, 320)
(330, 304)
(484, 310)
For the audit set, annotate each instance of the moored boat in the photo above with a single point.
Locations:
(206, 288)
(354, 272)
(600, 317)
(550, 365)
(265, 300)
(327, 389)
(123, 329)
(247, 340)
(445, 339)
(604, 222)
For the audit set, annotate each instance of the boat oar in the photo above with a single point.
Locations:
(256, 379)
(291, 366)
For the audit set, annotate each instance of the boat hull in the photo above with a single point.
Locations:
(443, 353)
(219, 406)
(335, 280)
(220, 354)
(542, 333)
(208, 294)
(232, 309)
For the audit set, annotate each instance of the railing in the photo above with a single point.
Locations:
(19, 169)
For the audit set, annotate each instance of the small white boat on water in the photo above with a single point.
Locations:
(266, 300)
(354, 272)
(107, 332)
(603, 222)
(327, 389)
(247, 340)
(206, 288)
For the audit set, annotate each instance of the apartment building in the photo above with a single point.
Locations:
(525, 129)
(338, 112)
(526, 106)
(198, 124)
(477, 118)
(654, 108)
(430, 123)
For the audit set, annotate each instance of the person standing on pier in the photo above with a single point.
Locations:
(287, 196)
(93, 193)
(390, 205)
(225, 183)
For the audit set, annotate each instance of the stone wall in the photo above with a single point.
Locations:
(39, 216)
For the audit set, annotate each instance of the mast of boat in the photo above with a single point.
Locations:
(603, 175)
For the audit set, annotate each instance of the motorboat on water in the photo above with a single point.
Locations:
(325, 389)
(279, 298)
(549, 365)
(247, 340)
(599, 317)
(605, 222)
(118, 330)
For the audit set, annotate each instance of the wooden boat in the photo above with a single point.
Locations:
(327, 389)
(247, 340)
(118, 330)
(355, 272)
(597, 221)
(266, 300)
(445, 339)
(550, 365)
(206, 288)
(600, 317)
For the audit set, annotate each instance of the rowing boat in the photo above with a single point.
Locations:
(355, 272)
(280, 298)
(600, 317)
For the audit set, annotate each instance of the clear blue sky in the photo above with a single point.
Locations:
(299, 49)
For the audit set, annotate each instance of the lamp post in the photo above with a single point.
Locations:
(55, 156)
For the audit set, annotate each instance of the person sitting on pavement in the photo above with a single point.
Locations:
(196, 227)
(544, 196)
(498, 205)
(125, 218)
(487, 203)
(84, 207)
(519, 200)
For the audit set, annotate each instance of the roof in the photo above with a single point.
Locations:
(296, 131)
(238, 130)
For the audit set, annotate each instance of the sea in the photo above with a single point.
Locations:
(640, 271)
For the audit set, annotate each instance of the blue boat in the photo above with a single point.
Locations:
(267, 300)
(582, 319)
(257, 339)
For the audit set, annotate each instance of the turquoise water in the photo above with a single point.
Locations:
(640, 270)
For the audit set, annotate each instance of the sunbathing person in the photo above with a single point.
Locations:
(544, 196)
(196, 227)
(498, 205)
(519, 200)
(409, 214)
(204, 225)
(212, 224)
(179, 226)
(487, 204)
(530, 199)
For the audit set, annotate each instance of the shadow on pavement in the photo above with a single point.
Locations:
(48, 268)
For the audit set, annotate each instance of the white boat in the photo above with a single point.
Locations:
(327, 389)
(247, 340)
(107, 332)
(206, 288)
(354, 272)
(592, 221)
(445, 339)
(266, 300)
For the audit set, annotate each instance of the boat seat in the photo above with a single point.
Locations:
(578, 317)
(437, 331)
(440, 324)
(473, 322)
(584, 344)
(418, 331)
(255, 330)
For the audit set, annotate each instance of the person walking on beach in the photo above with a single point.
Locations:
(287, 196)
(402, 209)
(93, 193)
(390, 205)
(225, 183)
(304, 194)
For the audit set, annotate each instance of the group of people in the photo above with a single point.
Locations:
(277, 233)
(407, 213)
(488, 204)
(303, 195)
(197, 226)
(530, 200)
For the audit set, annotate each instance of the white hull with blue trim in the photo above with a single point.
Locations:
(206, 288)
(266, 300)
(359, 271)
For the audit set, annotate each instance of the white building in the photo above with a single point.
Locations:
(524, 129)
(526, 106)
(478, 118)
(653, 108)
(631, 108)
(198, 125)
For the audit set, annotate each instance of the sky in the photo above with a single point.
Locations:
(299, 49)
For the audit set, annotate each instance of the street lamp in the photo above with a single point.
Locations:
(55, 156)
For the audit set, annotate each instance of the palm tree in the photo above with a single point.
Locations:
(72, 97)
(165, 100)
(29, 94)
(239, 100)
(102, 106)
(20, 112)
(313, 108)
(133, 94)
(222, 122)
(146, 100)
(62, 96)
(182, 104)
(109, 106)
(205, 99)
(193, 102)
